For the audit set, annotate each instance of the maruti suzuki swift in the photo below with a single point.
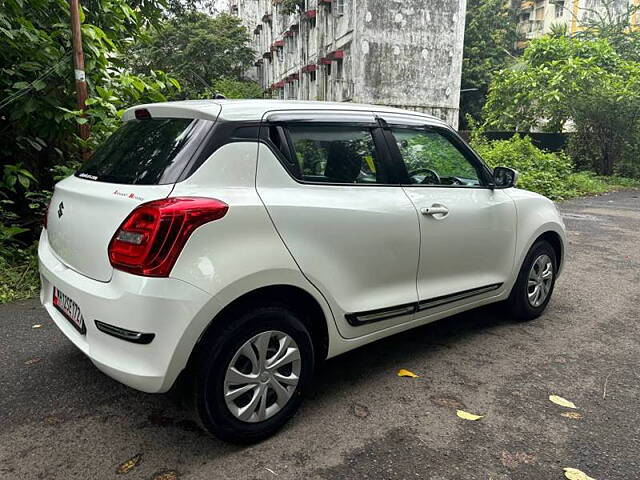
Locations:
(236, 244)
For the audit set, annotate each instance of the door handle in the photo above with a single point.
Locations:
(440, 210)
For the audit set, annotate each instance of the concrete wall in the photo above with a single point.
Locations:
(410, 54)
(404, 53)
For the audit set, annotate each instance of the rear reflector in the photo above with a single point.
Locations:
(128, 335)
(151, 238)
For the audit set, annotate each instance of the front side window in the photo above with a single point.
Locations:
(336, 154)
(432, 159)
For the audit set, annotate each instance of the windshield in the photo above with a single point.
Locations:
(146, 152)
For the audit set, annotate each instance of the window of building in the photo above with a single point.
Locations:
(339, 6)
(559, 8)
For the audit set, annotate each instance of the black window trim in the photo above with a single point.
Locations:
(486, 176)
(380, 145)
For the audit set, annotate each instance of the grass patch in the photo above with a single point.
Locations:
(19, 278)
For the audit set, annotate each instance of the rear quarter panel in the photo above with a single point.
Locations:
(242, 251)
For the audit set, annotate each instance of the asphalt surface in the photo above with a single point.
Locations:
(60, 418)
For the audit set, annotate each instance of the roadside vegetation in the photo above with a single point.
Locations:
(158, 50)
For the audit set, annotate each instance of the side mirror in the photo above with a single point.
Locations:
(505, 177)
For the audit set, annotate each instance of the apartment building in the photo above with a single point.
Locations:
(537, 17)
(403, 53)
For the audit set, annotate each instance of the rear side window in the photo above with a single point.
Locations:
(147, 152)
(336, 154)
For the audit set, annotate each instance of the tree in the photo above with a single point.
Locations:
(198, 49)
(563, 82)
(489, 40)
(612, 20)
(38, 121)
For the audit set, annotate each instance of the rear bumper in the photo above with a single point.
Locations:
(165, 307)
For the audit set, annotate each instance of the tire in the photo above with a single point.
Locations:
(240, 339)
(520, 303)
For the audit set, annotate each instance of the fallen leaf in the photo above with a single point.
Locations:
(32, 361)
(575, 474)
(126, 467)
(572, 415)
(406, 373)
(467, 415)
(563, 402)
(360, 411)
(37, 325)
(166, 475)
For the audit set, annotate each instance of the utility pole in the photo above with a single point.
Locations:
(78, 64)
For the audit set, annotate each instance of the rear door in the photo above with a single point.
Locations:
(140, 162)
(468, 230)
(326, 183)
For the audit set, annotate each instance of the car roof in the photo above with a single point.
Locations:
(254, 110)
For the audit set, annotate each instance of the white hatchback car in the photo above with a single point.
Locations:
(242, 242)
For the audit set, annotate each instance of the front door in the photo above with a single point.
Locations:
(468, 229)
(342, 214)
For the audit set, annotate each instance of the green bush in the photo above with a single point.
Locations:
(549, 174)
(542, 172)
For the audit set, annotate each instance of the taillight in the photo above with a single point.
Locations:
(151, 238)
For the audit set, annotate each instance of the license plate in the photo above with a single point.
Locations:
(69, 309)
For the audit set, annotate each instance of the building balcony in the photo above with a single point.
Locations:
(527, 5)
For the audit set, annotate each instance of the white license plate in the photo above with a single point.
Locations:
(69, 309)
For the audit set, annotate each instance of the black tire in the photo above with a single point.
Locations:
(518, 303)
(216, 353)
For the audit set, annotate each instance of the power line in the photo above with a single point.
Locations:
(15, 96)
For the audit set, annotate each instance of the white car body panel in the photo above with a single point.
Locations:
(91, 213)
(352, 248)
(359, 245)
(536, 216)
(472, 247)
(164, 306)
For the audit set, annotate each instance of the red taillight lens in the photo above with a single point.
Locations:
(150, 240)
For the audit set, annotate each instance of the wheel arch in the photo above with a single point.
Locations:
(553, 238)
(301, 301)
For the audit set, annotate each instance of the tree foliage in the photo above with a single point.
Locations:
(583, 85)
(200, 51)
(38, 116)
(490, 36)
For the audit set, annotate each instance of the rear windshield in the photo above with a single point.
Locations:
(147, 152)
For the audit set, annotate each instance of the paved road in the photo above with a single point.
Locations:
(62, 419)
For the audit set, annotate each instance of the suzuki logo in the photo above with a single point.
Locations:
(60, 209)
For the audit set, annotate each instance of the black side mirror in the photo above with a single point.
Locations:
(505, 177)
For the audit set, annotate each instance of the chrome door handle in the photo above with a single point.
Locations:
(435, 210)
